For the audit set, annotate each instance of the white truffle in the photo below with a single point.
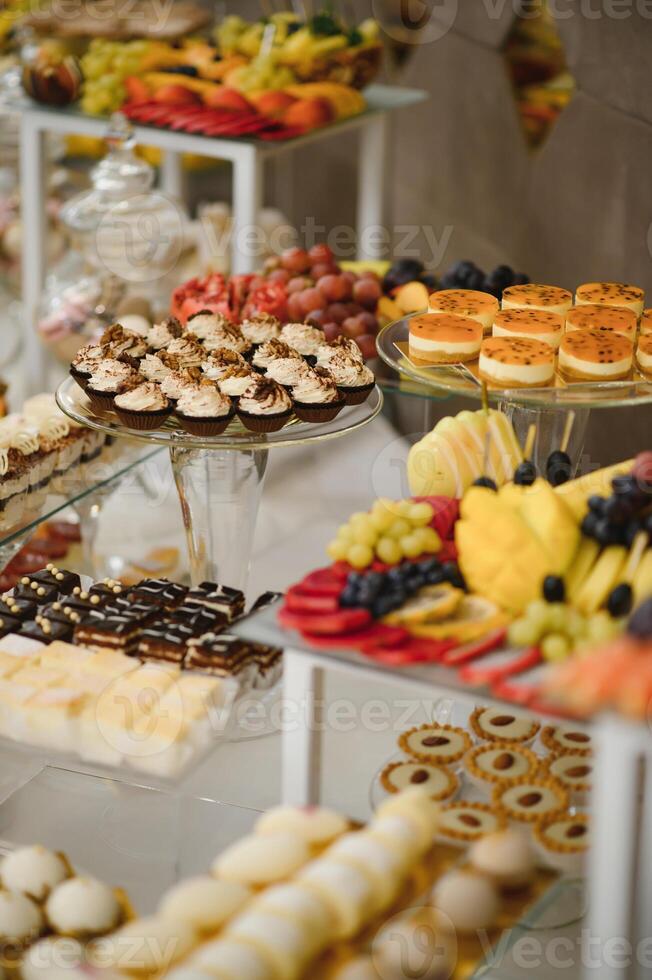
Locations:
(231, 959)
(418, 808)
(203, 902)
(53, 958)
(83, 907)
(316, 825)
(148, 945)
(262, 860)
(20, 918)
(35, 871)
(506, 857)
(416, 938)
(469, 900)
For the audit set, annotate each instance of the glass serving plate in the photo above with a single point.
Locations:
(459, 380)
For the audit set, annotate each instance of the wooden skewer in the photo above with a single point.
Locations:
(529, 442)
(568, 428)
(485, 398)
(487, 453)
(635, 555)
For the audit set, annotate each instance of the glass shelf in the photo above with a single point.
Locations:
(459, 380)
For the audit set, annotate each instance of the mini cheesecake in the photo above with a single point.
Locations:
(611, 294)
(534, 324)
(471, 303)
(499, 725)
(531, 799)
(497, 763)
(552, 299)
(511, 362)
(438, 782)
(560, 740)
(645, 322)
(562, 842)
(443, 338)
(592, 315)
(435, 743)
(644, 354)
(465, 822)
(595, 355)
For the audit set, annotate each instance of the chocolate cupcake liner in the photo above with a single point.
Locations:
(204, 426)
(101, 401)
(264, 423)
(357, 395)
(144, 421)
(80, 377)
(324, 412)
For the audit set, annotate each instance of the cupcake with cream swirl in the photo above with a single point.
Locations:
(260, 327)
(270, 351)
(177, 381)
(316, 396)
(287, 371)
(143, 407)
(162, 334)
(236, 380)
(204, 410)
(304, 338)
(109, 378)
(353, 378)
(188, 350)
(264, 406)
(229, 336)
(154, 367)
(205, 322)
(334, 348)
(85, 361)
(221, 361)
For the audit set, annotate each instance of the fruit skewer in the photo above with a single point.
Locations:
(559, 465)
(621, 598)
(526, 472)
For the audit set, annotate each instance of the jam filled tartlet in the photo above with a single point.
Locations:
(534, 296)
(143, 407)
(235, 380)
(162, 334)
(204, 410)
(264, 406)
(534, 324)
(611, 294)
(559, 739)
(316, 396)
(303, 338)
(595, 355)
(260, 327)
(353, 378)
(521, 362)
(443, 338)
(435, 743)
(270, 351)
(220, 361)
(575, 772)
(471, 303)
(644, 354)
(110, 378)
(437, 781)
(590, 316)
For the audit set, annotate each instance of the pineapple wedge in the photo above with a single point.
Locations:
(605, 574)
(577, 492)
(583, 562)
(548, 516)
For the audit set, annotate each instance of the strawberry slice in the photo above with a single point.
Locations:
(376, 633)
(470, 651)
(415, 650)
(297, 601)
(324, 581)
(487, 673)
(329, 624)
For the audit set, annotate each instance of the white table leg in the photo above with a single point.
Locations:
(32, 176)
(303, 709)
(644, 892)
(172, 174)
(246, 250)
(614, 863)
(372, 160)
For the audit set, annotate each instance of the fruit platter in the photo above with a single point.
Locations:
(496, 571)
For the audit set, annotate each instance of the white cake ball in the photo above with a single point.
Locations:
(314, 824)
(506, 857)
(469, 900)
(20, 918)
(83, 907)
(415, 944)
(203, 902)
(33, 870)
(52, 958)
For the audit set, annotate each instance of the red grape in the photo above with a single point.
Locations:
(368, 274)
(279, 275)
(353, 309)
(352, 327)
(367, 292)
(351, 276)
(321, 253)
(331, 331)
(295, 307)
(298, 283)
(312, 299)
(367, 344)
(369, 320)
(320, 269)
(337, 312)
(296, 260)
(333, 287)
(317, 318)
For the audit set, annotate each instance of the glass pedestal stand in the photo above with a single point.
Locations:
(219, 479)
(550, 423)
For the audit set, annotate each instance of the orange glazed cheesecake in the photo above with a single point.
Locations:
(595, 355)
(611, 294)
(444, 339)
(517, 361)
(646, 321)
(478, 306)
(552, 299)
(586, 317)
(644, 354)
(535, 324)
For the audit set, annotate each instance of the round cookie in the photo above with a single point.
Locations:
(563, 739)
(262, 860)
(83, 907)
(502, 725)
(531, 799)
(204, 903)
(467, 822)
(468, 899)
(286, 944)
(34, 870)
(417, 814)
(437, 781)
(496, 763)
(435, 743)
(316, 825)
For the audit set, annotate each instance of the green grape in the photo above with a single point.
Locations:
(420, 514)
(411, 545)
(360, 555)
(381, 516)
(576, 626)
(537, 612)
(555, 647)
(601, 627)
(430, 540)
(345, 533)
(557, 617)
(524, 633)
(365, 534)
(398, 529)
(337, 550)
(389, 550)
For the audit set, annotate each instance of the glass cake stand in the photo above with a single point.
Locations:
(547, 407)
(219, 479)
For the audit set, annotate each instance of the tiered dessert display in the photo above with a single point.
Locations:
(183, 386)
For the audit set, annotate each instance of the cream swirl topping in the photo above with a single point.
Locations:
(4, 461)
(147, 397)
(205, 322)
(153, 368)
(303, 337)
(341, 345)
(110, 375)
(221, 361)
(177, 381)
(162, 334)
(271, 350)
(227, 336)
(54, 428)
(188, 351)
(204, 401)
(315, 388)
(260, 327)
(87, 357)
(265, 397)
(287, 370)
(349, 373)
(235, 380)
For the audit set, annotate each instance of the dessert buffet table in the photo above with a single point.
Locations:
(247, 156)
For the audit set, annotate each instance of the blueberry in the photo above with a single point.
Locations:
(448, 281)
(606, 533)
(520, 279)
(640, 623)
(429, 565)
(558, 468)
(354, 580)
(525, 473)
(620, 600)
(554, 589)
(453, 575)
(414, 266)
(647, 524)
(396, 575)
(349, 598)
(436, 576)
(616, 510)
(188, 70)
(627, 486)
(596, 504)
(589, 524)
(382, 605)
(428, 280)
(475, 280)
(462, 269)
(485, 481)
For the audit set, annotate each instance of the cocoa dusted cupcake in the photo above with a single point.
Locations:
(205, 322)
(156, 367)
(335, 348)
(227, 335)
(162, 334)
(188, 350)
(316, 397)
(121, 341)
(303, 338)
(85, 361)
(110, 378)
(236, 380)
(354, 379)
(144, 407)
(287, 371)
(260, 327)
(270, 351)
(220, 361)
(264, 406)
(174, 385)
(204, 410)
